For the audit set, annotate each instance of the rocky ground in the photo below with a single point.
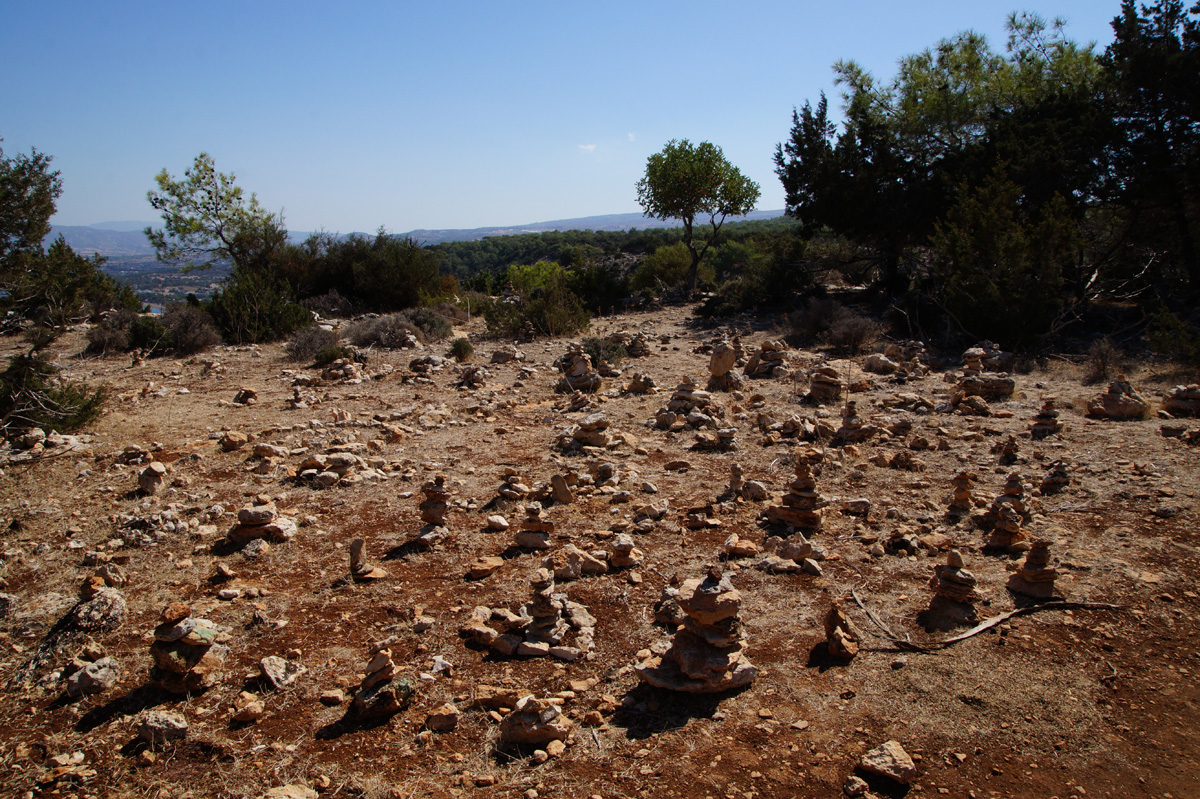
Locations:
(307, 669)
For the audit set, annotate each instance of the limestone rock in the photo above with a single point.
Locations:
(889, 760)
(1120, 403)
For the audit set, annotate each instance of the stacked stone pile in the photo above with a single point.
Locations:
(534, 532)
(380, 694)
(1183, 401)
(641, 384)
(578, 373)
(825, 385)
(548, 625)
(624, 555)
(690, 408)
(719, 440)
(512, 486)
(988, 387)
(434, 511)
(507, 354)
(1035, 578)
(534, 722)
(962, 501)
(1121, 402)
(720, 368)
(262, 520)
(771, 360)
(1007, 450)
(854, 429)
(638, 346)
(801, 505)
(471, 377)
(187, 655)
(707, 654)
(841, 633)
(591, 431)
(570, 563)
(1058, 477)
(1046, 423)
(954, 595)
(343, 369)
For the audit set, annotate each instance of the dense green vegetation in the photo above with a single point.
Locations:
(1008, 191)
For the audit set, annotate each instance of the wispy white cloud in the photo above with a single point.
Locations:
(587, 148)
(632, 137)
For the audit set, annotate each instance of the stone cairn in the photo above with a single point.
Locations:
(962, 502)
(1007, 450)
(577, 402)
(1045, 423)
(360, 569)
(801, 506)
(262, 520)
(638, 346)
(534, 722)
(471, 377)
(570, 563)
(624, 554)
(854, 430)
(707, 654)
(591, 431)
(719, 440)
(187, 657)
(1183, 401)
(771, 360)
(534, 532)
(434, 510)
(986, 356)
(1008, 512)
(343, 369)
(689, 408)
(380, 694)
(741, 488)
(825, 385)
(507, 353)
(1035, 578)
(720, 368)
(954, 595)
(512, 486)
(641, 384)
(1121, 402)
(578, 374)
(540, 629)
(1058, 477)
(841, 633)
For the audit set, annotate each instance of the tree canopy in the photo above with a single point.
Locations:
(687, 182)
(207, 218)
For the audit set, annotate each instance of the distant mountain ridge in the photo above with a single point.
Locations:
(126, 239)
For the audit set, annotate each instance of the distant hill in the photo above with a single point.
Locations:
(126, 240)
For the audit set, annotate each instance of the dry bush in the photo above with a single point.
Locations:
(190, 329)
(389, 332)
(1104, 361)
(306, 343)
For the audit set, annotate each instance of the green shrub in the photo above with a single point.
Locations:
(189, 329)
(461, 349)
(667, 268)
(546, 306)
(1174, 338)
(329, 354)
(253, 307)
(111, 333)
(306, 342)
(32, 394)
(601, 349)
(147, 333)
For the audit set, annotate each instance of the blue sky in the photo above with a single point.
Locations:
(348, 116)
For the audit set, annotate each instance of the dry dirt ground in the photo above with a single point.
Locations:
(1056, 703)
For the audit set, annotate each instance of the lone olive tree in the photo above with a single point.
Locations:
(687, 181)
